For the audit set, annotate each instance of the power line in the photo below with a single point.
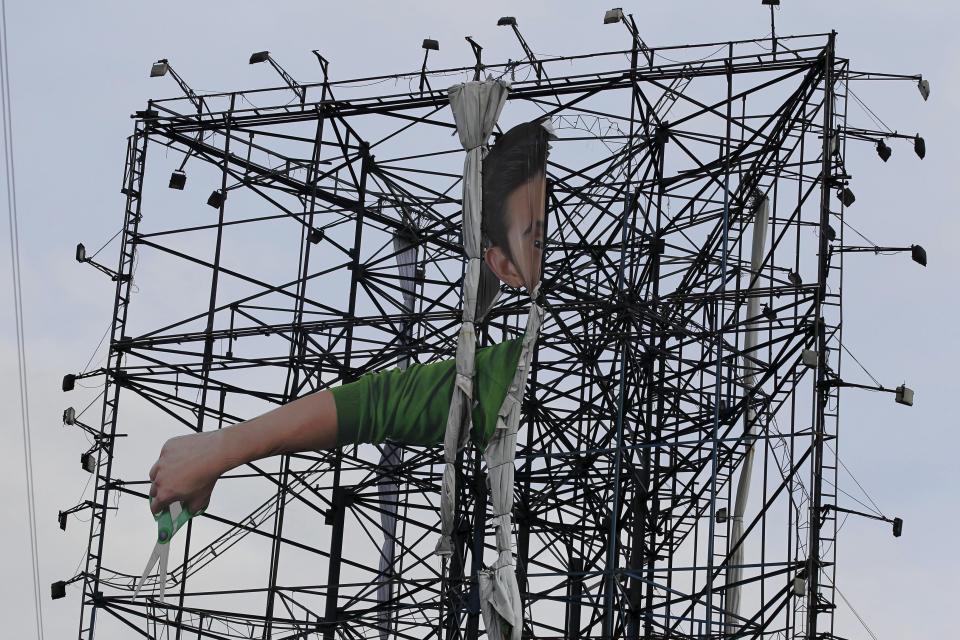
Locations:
(18, 313)
(859, 618)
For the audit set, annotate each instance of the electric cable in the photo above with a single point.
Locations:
(18, 312)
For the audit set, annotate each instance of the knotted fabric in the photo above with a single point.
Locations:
(476, 107)
(500, 601)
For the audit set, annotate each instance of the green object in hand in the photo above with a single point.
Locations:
(169, 522)
(167, 526)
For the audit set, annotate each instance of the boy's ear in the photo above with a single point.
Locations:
(502, 266)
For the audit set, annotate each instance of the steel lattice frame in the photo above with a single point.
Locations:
(634, 416)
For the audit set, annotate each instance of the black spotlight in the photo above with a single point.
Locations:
(58, 589)
(507, 21)
(316, 235)
(177, 180)
(62, 519)
(831, 233)
(768, 313)
(919, 147)
(897, 527)
(259, 56)
(727, 413)
(216, 199)
(847, 197)
(883, 150)
(68, 381)
(81, 253)
(919, 254)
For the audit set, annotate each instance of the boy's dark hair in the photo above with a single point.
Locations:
(516, 157)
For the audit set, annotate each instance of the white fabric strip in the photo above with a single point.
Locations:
(500, 600)
(734, 567)
(391, 454)
(476, 107)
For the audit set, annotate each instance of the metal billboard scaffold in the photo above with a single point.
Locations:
(676, 472)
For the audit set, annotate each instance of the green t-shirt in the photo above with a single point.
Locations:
(410, 405)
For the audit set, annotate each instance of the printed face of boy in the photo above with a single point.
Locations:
(524, 211)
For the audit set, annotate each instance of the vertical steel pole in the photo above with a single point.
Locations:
(341, 494)
(813, 560)
(718, 337)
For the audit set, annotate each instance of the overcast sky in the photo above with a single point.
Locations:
(79, 69)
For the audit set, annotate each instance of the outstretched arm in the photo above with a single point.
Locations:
(407, 405)
(189, 466)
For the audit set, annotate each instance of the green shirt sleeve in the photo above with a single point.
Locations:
(410, 405)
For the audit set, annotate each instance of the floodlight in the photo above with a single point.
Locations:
(896, 522)
(772, 3)
(799, 584)
(159, 68)
(816, 328)
(428, 46)
(177, 180)
(924, 87)
(831, 233)
(883, 150)
(794, 278)
(835, 144)
(81, 253)
(919, 254)
(904, 395)
(69, 416)
(216, 199)
(259, 56)
(58, 589)
(316, 235)
(721, 515)
(68, 380)
(507, 21)
(919, 147)
(897, 527)
(847, 197)
(726, 413)
(613, 15)
(809, 358)
(88, 462)
(147, 114)
(62, 520)
(768, 313)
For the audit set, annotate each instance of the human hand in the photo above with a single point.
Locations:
(186, 471)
